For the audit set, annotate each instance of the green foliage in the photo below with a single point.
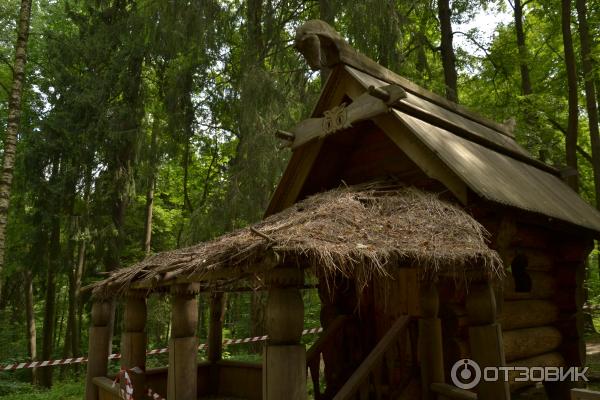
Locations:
(71, 390)
(126, 99)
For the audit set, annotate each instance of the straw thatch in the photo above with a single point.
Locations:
(359, 232)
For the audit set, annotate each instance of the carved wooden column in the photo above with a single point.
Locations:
(214, 351)
(133, 340)
(430, 339)
(485, 339)
(183, 346)
(98, 347)
(284, 361)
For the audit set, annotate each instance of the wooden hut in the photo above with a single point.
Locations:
(433, 235)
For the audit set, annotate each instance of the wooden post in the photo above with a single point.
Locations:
(183, 346)
(430, 340)
(133, 341)
(485, 339)
(98, 347)
(214, 352)
(284, 361)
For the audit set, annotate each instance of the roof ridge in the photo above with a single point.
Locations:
(323, 48)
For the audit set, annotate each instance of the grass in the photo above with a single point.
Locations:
(60, 391)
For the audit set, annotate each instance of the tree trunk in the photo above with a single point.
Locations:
(447, 50)
(76, 327)
(592, 111)
(150, 191)
(327, 14)
(50, 303)
(30, 315)
(590, 92)
(526, 88)
(14, 119)
(572, 127)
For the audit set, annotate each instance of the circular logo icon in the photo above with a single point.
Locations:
(465, 374)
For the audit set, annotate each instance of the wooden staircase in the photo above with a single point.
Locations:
(376, 377)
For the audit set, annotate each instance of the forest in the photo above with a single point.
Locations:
(130, 127)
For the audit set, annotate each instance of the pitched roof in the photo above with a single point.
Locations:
(479, 152)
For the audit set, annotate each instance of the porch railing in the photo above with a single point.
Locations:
(374, 377)
(314, 353)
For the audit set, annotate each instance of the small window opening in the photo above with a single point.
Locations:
(520, 275)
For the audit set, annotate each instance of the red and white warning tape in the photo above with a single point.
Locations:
(155, 396)
(115, 356)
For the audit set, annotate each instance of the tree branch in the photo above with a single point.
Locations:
(560, 128)
(480, 47)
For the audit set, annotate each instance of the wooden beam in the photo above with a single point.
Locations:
(183, 346)
(368, 105)
(284, 360)
(214, 352)
(215, 328)
(133, 341)
(430, 340)
(485, 339)
(99, 336)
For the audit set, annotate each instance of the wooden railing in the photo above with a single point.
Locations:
(374, 377)
(313, 355)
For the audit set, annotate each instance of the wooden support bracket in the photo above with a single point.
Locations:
(376, 101)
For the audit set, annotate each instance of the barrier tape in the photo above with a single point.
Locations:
(155, 396)
(116, 356)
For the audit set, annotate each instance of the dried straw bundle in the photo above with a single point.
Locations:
(359, 232)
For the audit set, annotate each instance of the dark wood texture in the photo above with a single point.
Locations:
(361, 380)
(99, 336)
(528, 313)
(523, 343)
(485, 339)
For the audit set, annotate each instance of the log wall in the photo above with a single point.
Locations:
(540, 326)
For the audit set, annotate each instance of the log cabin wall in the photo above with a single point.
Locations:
(541, 297)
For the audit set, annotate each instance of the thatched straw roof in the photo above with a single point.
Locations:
(360, 232)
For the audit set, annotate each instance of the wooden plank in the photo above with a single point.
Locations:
(532, 237)
(240, 380)
(519, 314)
(376, 156)
(388, 76)
(106, 389)
(529, 342)
(342, 117)
(422, 156)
